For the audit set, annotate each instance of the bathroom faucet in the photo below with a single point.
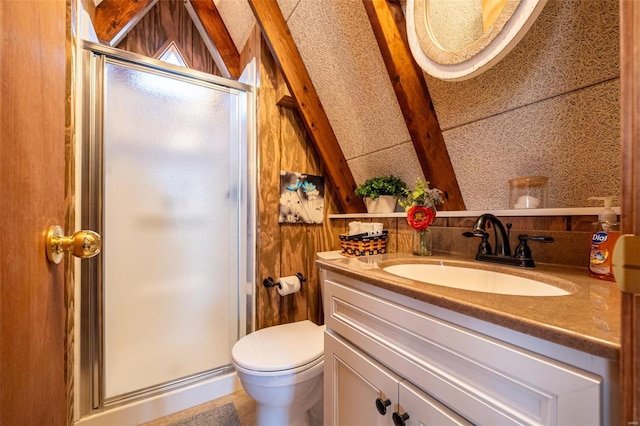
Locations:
(502, 254)
(501, 236)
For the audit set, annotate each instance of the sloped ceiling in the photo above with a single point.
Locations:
(549, 108)
(339, 49)
(238, 18)
(359, 64)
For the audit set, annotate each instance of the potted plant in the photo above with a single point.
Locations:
(381, 194)
(420, 205)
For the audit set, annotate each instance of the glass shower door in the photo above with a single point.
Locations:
(169, 148)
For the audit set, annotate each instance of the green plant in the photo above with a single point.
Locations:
(384, 185)
(421, 195)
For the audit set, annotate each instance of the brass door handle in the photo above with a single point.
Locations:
(83, 244)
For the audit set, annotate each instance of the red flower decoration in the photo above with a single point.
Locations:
(419, 217)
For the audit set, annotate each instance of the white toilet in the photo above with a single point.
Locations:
(281, 368)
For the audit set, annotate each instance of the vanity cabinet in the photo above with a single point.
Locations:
(438, 371)
(364, 392)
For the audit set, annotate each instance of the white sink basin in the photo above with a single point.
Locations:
(475, 279)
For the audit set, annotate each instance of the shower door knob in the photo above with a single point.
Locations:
(82, 244)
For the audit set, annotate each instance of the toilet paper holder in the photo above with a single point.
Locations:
(269, 282)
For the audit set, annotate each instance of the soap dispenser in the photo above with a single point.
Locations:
(604, 234)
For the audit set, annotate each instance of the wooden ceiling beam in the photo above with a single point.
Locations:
(388, 23)
(284, 50)
(114, 18)
(215, 29)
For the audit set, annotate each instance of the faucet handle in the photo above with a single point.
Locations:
(484, 247)
(476, 233)
(539, 238)
(523, 251)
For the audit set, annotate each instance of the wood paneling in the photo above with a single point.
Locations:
(294, 239)
(320, 238)
(391, 225)
(285, 249)
(251, 48)
(387, 21)
(33, 374)
(284, 96)
(113, 18)
(269, 245)
(169, 21)
(285, 52)
(538, 223)
(405, 235)
(630, 119)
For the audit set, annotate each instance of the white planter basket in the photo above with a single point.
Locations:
(382, 204)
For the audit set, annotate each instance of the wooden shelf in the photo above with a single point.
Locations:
(577, 211)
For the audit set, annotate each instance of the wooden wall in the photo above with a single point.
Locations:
(168, 21)
(285, 249)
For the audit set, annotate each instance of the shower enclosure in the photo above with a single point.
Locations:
(167, 178)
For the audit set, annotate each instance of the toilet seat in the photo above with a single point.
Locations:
(281, 377)
(281, 349)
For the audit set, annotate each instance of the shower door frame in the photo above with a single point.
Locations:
(91, 334)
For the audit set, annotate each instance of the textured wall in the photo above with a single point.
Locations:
(338, 47)
(238, 18)
(550, 107)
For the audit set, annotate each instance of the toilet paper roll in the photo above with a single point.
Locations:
(288, 285)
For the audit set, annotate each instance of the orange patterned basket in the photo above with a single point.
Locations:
(363, 245)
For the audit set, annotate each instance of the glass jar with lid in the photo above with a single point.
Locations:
(528, 192)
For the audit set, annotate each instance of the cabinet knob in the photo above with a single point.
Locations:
(399, 419)
(381, 405)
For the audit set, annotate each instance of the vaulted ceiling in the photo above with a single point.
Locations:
(325, 74)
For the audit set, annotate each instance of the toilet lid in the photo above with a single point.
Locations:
(281, 347)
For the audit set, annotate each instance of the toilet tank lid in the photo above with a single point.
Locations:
(280, 347)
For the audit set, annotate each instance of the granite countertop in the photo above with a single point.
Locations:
(588, 319)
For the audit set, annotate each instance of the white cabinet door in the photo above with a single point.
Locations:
(418, 408)
(357, 389)
(352, 384)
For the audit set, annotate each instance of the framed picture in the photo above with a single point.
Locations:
(301, 198)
